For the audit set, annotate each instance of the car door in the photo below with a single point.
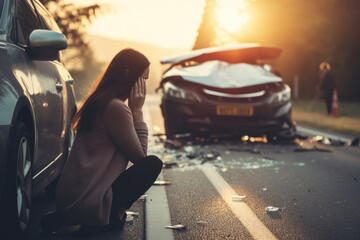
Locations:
(47, 94)
(63, 77)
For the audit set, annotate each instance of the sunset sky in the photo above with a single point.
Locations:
(166, 23)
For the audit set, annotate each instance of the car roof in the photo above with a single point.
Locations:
(234, 53)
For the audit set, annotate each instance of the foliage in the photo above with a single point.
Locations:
(208, 26)
(309, 32)
(73, 21)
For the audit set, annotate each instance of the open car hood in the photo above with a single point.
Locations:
(221, 74)
(235, 53)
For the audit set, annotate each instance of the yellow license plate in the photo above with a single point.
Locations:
(234, 110)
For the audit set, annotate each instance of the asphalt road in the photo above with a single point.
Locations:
(312, 187)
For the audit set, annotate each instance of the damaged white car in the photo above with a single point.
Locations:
(224, 90)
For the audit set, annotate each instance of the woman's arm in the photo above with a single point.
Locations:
(129, 136)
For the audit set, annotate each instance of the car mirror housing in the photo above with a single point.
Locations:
(44, 45)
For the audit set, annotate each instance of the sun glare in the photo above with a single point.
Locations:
(232, 15)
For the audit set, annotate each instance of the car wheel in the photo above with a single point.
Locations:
(18, 190)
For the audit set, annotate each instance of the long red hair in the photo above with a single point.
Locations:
(116, 82)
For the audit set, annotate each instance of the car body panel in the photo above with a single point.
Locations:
(203, 117)
(224, 90)
(32, 86)
(233, 53)
(224, 75)
(48, 111)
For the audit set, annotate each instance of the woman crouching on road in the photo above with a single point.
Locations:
(95, 188)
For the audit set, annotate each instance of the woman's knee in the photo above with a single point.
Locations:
(151, 162)
(154, 162)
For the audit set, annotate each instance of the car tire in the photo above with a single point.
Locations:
(18, 188)
(171, 127)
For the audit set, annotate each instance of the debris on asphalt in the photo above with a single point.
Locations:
(327, 141)
(129, 219)
(160, 137)
(221, 166)
(169, 164)
(337, 142)
(307, 146)
(142, 197)
(272, 209)
(262, 139)
(354, 142)
(209, 157)
(264, 189)
(201, 223)
(250, 150)
(133, 214)
(176, 227)
(299, 164)
(182, 135)
(191, 152)
(321, 139)
(173, 144)
(314, 148)
(238, 198)
(156, 128)
(161, 182)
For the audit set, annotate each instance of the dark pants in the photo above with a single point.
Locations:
(134, 182)
(328, 100)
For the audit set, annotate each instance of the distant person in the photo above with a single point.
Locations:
(327, 84)
(95, 188)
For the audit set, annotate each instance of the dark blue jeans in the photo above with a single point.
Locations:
(134, 182)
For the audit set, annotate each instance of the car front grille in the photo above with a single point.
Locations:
(235, 96)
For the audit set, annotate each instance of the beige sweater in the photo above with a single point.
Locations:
(97, 158)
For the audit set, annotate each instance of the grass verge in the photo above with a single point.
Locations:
(348, 121)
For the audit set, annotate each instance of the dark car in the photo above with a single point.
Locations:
(36, 106)
(225, 90)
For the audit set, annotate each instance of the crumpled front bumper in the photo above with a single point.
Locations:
(202, 117)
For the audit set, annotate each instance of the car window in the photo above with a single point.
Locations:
(27, 21)
(47, 20)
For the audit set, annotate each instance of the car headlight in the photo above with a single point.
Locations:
(172, 91)
(282, 97)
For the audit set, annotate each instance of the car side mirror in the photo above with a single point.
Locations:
(44, 45)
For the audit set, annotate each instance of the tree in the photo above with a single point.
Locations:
(309, 32)
(208, 27)
(73, 21)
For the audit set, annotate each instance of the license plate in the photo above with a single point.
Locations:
(234, 110)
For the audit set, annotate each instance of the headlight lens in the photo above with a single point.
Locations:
(282, 97)
(172, 91)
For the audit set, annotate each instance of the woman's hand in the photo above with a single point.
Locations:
(137, 99)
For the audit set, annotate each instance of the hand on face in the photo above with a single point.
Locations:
(137, 95)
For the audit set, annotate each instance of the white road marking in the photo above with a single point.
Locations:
(241, 210)
(157, 213)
